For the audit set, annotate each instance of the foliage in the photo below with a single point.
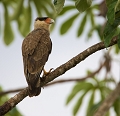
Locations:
(22, 15)
(113, 16)
(85, 5)
(87, 16)
(91, 86)
(14, 111)
(116, 106)
(59, 5)
(8, 32)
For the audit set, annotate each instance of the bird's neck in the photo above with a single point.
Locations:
(46, 27)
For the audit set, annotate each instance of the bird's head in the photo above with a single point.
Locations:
(43, 22)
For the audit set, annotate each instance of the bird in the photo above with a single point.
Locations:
(36, 48)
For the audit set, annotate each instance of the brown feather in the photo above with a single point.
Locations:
(36, 48)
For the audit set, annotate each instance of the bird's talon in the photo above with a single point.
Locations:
(45, 73)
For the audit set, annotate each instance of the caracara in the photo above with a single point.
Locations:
(36, 48)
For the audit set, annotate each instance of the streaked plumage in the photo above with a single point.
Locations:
(36, 48)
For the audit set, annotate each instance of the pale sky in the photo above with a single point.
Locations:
(51, 101)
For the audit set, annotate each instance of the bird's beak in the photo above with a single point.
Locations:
(52, 21)
(49, 21)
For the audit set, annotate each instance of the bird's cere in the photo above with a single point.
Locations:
(49, 21)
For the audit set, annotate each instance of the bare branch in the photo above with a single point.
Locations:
(12, 102)
(108, 102)
(77, 79)
(60, 81)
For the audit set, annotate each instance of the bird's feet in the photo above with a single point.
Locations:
(45, 73)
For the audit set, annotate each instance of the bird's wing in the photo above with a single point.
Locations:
(36, 48)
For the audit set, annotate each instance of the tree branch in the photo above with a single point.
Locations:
(12, 102)
(108, 102)
(78, 79)
(60, 81)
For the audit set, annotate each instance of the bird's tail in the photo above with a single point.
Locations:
(34, 91)
(34, 88)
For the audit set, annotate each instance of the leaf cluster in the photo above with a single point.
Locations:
(113, 15)
(81, 6)
(21, 12)
(91, 88)
(105, 32)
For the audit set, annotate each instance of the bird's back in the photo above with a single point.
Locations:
(36, 48)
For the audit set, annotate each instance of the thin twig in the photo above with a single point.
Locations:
(12, 102)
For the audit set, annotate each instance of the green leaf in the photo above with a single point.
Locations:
(107, 113)
(24, 21)
(17, 10)
(116, 49)
(67, 24)
(47, 11)
(67, 8)
(102, 96)
(83, 5)
(58, 5)
(8, 32)
(104, 91)
(94, 108)
(92, 18)
(14, 112)
(117, 7)
(88, 72)
(118, 42)
(44, 8)
(110, 31)
(90, 103)
(82, 25)
(111, 10)
(112, 23)
(38, 6)
(79, 102)
(116, 106)
(91, 31)
(99, 31)
(77, 88)
(51, 11)
(117, 14)
(109, 37)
